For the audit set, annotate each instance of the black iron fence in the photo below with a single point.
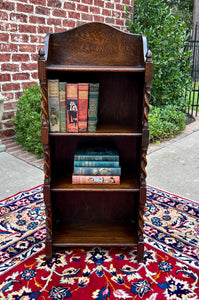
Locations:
(192, 95)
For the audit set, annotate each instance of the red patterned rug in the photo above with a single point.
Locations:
(170, 269)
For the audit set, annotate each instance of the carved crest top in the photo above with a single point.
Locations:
(95, 44)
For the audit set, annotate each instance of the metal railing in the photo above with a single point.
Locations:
(193, 94)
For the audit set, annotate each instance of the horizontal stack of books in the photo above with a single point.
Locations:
(96, 165)
(73, 107)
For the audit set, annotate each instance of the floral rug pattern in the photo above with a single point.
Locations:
(171, 260)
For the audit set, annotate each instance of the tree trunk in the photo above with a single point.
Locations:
(195, 38)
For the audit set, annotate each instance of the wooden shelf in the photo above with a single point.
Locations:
(94, 235)
(88, 68)
(64, 183)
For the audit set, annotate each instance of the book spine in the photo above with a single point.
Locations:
(96, 171)
(85, 179)
(93, 100)
(109, 164)
(62, 106)
(82, 106)
(53, 105)
(96, 157)
(72, 107)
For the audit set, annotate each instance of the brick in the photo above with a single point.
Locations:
(27, 28)
(120, 22)
(10, 86)
(99, 3)
(37, 39)
(27, 48)
(7, 5)
(59, 29)
(38, 2)
(59, 13)
(109, 20)
(4, 57)
(3, 15)
(5, 77)
(69, 23)
(37, 20)
(54, 3)
(9, 97)
(120, 7)
(127, 2)
(25, 85)
(99, 19)
(73, 15)
(21, 76)
(40, 10)
(25, 8)
(18, 17)
(109, 5)
(8, 115)
(53, 21)
(87, 17)
(116, 14)
(95, 10)
(8, 124)
(10, 67)
(7, 132)
(28, 66)
(35, 57)
(106, 12)
(83, 8)
(69, 6)
(44, 29)
(90, 2)
(4, 37)
(8, 27)
(10, 105)
(34, 75)
(20, 57)
(19, 38)
(8, 47)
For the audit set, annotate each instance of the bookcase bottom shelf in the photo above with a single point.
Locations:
(94, 235)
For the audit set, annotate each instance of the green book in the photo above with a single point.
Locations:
(93, 99)
(62, 106)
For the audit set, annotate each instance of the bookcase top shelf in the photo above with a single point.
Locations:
(88, 68)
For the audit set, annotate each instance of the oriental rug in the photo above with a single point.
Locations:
(171, 262)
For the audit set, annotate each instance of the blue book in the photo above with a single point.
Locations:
(96, 171)
(96, 154)
(93, 163)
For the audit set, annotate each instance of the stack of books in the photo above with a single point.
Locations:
(73, 107)
(96, 165)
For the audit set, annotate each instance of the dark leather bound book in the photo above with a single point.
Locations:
(62, 106)
(82, 106)
(72, 107)
(53, 105)
(93, 99)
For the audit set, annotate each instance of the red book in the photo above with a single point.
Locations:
(72, 107)
(82, 106)
(90, 179)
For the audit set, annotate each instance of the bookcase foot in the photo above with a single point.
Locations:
(140, 252)
(49, 252)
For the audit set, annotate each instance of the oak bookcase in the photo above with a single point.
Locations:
(98, 215)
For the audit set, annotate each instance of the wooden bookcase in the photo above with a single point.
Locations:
(90, 215)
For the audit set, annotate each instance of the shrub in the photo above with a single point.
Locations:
(165, 122)
(166, 37)
(28, 120)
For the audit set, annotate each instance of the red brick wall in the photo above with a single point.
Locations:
(23, 26)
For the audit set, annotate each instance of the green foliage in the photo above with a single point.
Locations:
(166, 37)
(28, 120)
(165, 122)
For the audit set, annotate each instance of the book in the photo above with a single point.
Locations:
(96, 154)
(96, 171)
(94, 163)
(82, 106)
(72, 107)
(87, 179)
(53, 105)
(93, 99)
(62, 106)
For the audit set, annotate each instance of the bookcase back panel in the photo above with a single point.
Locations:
(120, 96)
(63, 150)
(95, 44)
(95, 207)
